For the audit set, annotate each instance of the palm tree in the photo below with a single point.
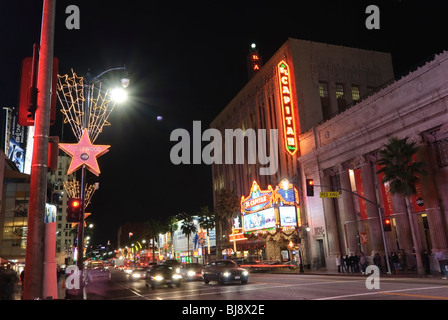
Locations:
(152, 229)
(402, 174)
(227, 206)
(187, 229)
(206, 220)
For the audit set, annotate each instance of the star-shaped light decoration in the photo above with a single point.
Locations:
(84, 152)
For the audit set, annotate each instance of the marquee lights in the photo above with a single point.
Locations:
(287, 108)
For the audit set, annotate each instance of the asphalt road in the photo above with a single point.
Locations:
(277, 287)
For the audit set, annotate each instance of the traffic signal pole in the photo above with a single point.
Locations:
(35, 247)
(380, 216)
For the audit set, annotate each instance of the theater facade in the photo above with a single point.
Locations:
(334, 108)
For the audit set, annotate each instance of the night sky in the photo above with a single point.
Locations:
(186, 61)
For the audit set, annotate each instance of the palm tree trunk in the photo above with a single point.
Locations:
(415, 237)
(188, 247)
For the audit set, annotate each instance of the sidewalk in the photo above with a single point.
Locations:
(332, 272)
(61, 291)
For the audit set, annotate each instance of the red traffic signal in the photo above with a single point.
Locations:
(74, 207)
(310, 187)
(387, 225)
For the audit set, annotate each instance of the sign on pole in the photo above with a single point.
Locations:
(330, 194)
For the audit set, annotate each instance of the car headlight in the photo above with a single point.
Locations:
(245, 273)
(136, 275)
(157, 278)
(191, 273)
(177, 270)
(177, 276)
(226, 274)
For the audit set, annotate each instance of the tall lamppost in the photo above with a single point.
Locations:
(86, 108)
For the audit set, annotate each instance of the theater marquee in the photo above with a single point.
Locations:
(289, 128)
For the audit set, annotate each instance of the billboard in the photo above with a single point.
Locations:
(263, 219)
(288, 216)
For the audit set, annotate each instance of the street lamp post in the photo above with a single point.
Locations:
(86, 116)
(88, 87)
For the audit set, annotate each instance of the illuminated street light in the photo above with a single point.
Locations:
(118, 95)
(87, 116)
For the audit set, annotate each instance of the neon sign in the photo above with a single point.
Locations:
(287, 108)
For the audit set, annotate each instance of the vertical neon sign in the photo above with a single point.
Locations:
(289, 128)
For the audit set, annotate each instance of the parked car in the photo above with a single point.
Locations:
(162, 274)
(224, 271)
(138, 273)
(191, 271)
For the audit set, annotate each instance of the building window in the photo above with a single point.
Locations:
(342, 104)
(324, 101)
(355, 93)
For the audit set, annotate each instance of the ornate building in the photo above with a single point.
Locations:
(302, 85)
(343, 153)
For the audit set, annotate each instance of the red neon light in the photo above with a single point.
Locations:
(289, 128)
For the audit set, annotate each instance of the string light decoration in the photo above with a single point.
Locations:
(72, 188)
(70, 90)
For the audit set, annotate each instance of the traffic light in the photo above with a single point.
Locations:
(309, 187)
(74, 207)
(387, 225)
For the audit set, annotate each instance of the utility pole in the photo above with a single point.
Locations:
(35, 250)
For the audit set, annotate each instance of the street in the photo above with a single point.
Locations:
(271, 286)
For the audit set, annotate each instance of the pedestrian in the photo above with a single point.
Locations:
(363, 262)
(377, 261)
(8, 281)
(343, 267)
(395, 262)
(338, 263)
(351, 262)
(438, 255)
(347, 262)
(425, 261)
(58, 273)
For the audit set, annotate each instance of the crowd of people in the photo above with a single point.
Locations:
(357, 263)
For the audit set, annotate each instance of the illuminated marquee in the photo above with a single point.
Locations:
(289, 128)
(267, 209)
(257, 200)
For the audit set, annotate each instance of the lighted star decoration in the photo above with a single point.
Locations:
(84, 153)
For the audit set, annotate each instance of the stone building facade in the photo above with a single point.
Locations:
(343, 153)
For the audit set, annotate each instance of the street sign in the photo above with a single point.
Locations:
(331, 194)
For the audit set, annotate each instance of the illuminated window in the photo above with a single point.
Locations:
(324, 100)
(340, 97)
(323, 90)
(355, 93)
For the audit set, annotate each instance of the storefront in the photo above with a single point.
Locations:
(268, 227)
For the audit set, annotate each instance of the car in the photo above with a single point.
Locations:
(224, 271)
(97, 274)
(162, 274)
(191, 271)
(173, 263)
(138, 273)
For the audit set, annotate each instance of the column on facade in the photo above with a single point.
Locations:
(331, 223)
(347, 209)
(403, 229)
(431, 199)
(374, 224)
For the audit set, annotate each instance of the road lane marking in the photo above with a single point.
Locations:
(237, 289)
(378, 292)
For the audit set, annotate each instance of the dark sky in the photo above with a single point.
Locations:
(187, 60)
